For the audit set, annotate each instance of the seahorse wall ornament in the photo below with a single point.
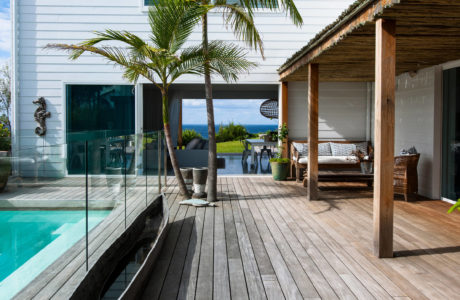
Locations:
(40, 116)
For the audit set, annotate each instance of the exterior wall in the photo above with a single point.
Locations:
(44, 72)
(342, 110)
(417, 124)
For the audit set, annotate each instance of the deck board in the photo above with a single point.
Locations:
(265, 241)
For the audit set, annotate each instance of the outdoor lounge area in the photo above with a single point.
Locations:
(349, 193)
(263, 240)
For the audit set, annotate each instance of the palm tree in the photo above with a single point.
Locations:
(161, 59)
(239, 16)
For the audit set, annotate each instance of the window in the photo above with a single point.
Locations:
(96, 113)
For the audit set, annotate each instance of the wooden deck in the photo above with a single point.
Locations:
(264, 240)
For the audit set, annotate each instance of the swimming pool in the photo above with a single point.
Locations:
(31, 240)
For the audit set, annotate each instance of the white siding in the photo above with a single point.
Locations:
(44, 72)
(342, 110)
(415, 124)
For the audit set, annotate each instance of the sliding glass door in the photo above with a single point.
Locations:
(451, 134)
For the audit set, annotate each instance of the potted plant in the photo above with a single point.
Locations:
(5, 162)
(366, 161)
(280, 165)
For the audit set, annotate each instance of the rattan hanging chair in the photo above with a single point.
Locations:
(269, 109)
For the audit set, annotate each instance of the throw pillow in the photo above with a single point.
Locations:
(362, 147)
(324, 149)
(302, 148)
(342, 149)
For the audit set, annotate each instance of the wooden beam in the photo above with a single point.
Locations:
(179, 133)
(284, 114)
(385, 72)
(313, 82)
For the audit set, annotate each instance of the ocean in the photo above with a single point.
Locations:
(203, 129)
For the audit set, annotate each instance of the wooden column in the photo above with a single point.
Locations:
(284, 114)
(179, 128)
(313, 82)
(385, 65)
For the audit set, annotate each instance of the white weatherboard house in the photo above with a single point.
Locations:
(89, 94)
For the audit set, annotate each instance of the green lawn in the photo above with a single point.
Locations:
(230, 147)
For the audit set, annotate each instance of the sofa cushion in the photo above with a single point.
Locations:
(302, 148)
(349, 160)
(342, 149)
(362, 147)
(324, 149)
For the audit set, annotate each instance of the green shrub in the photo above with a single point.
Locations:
(188, 135)
(232, 132)
(279, 160)
(5, 138)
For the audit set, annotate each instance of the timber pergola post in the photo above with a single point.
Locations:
(284, 115)
(313, 90)
(385, 72)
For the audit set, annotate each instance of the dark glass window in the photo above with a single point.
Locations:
(99, 114)
(451, 134)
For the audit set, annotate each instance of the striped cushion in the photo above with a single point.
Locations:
(342, 149)
(302, 148)
(324, 149)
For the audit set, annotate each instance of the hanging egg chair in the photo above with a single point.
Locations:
(269, 109)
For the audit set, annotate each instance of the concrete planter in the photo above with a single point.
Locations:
(187, 174)
(200, 176)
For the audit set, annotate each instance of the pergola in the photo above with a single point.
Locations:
(374, 40)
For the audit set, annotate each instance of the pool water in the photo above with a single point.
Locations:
(31, 240)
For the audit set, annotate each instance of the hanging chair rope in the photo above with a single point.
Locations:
(269, 109)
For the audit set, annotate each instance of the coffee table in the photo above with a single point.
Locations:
(342, 176)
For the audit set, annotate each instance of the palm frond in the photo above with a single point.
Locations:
(228, 60)
(241, 20)
(172, 22)
(287, 6)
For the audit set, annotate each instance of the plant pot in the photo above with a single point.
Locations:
(187, 174)
(200, 176)
(367, 167)
(280, 171)
(5, 169)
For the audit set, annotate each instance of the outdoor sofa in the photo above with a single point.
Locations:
(331, 155)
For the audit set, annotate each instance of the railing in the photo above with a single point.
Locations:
(79, 194)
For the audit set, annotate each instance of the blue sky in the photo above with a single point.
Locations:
(239, 111)
(5, 31)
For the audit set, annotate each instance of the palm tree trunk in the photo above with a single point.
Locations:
(172, 153)
(212, 153)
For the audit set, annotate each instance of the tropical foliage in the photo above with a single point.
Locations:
(162, 59)
(188, 135)
(232, 132)
(456, 206)
(5, 95)
(5, 138)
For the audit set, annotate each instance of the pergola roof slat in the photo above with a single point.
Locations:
(426, 34)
